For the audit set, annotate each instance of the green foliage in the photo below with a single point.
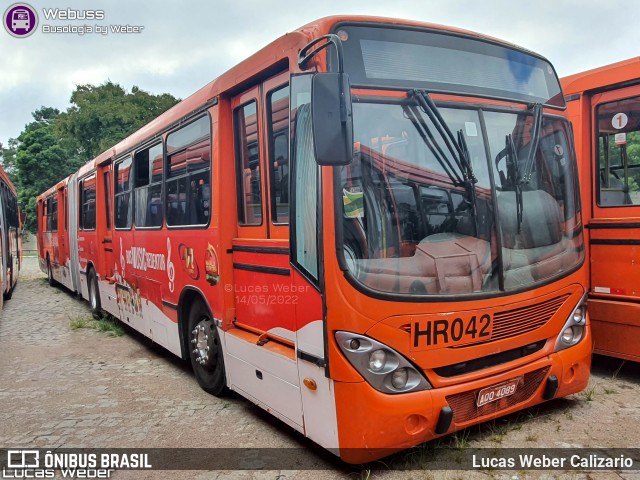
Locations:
(40, 161)
(56, 144)
(99, 117)
(8, 158)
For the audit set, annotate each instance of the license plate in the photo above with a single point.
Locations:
(496, 392)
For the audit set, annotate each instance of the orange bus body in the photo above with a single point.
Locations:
(182, 231)
(604, 106)
(10, 237)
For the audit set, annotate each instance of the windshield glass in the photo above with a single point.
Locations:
(415, 222)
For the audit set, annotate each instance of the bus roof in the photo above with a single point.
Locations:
(269, 58)
(612, 74)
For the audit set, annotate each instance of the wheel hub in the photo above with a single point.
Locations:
(203, 339)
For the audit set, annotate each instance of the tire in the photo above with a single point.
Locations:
(94, 294)
(7, 295)
(205, 349)
(52, 282)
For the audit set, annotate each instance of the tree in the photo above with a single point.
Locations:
(56, 144)
(101, 116)
(8, 158)
(40, 161)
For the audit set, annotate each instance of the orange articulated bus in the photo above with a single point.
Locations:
(370, 228)
(604, 106)
(10, 237)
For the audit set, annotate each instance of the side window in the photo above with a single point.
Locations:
(88, 203)
(107, 199)
(188, 168)
(248, 165)
(44, 207)
(618, 125)
(122, 194)
(148, 187)
(278, 105)
(50, 210)
(305, 172)
(54, 214)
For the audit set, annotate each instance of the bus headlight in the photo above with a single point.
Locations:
(573, 329)
(399, 378)
(377, 360)
(381, 366)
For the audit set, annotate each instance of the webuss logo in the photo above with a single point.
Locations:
(70, 14)
(20, 20)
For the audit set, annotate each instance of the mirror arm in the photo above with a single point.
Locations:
(307, 54)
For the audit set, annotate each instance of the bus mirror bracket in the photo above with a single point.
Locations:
(330, 105)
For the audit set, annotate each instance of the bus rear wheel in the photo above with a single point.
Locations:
(94, 294)
(205, 349)
(52, 282)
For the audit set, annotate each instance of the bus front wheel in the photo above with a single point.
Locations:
(205, 349)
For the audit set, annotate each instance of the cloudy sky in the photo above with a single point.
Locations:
(185, 44)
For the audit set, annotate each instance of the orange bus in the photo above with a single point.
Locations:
(604, 106)
(10, 237)
(370, 228)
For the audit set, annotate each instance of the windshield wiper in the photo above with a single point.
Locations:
(424, 131)
(533, 143)
(517, 175)
(458, 148)
(513, 176)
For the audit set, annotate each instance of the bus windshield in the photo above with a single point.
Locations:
(412, 224)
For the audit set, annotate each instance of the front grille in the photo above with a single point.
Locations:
(521, 320)
(464, 404)
(526, 319)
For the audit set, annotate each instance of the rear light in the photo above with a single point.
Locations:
(381, 366)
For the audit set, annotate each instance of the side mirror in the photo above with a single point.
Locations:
(23, 217)
(332, 119)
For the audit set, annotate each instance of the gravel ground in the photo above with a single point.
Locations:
(65, 387)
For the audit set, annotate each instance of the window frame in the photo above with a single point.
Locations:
(133, 190)
(115, 195)
(166, 165)
(240, 193)
(600, 163)
(82, 203)
(271, 153)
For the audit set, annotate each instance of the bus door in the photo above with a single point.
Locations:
(264, 303)
(615, 225)
(63, 238)
(105, 236)
(73, 212)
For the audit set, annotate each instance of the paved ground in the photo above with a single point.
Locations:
(61, 387)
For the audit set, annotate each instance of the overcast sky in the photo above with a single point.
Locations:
(185, 44)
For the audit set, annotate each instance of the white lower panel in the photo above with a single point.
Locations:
(270, 392)
(274, 363)
(62, 275)
(108, 298)
(320, 421)
(141, 315)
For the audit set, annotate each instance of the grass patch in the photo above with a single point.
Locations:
(589, 392)
(108, 325)
(80, 321)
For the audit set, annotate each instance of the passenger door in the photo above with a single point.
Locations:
(262, 275)
(615, 235)
(614, 230)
